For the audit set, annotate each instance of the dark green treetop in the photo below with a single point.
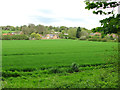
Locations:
(108, 25)
(78, 32)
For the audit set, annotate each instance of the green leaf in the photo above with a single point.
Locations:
(117, 26)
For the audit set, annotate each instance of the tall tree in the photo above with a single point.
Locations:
(78, 32)
(72, 32)
(111, 24)
(40, 29)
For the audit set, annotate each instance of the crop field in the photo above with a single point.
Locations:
(58, 64)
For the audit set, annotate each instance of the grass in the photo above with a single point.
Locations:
(36, 60)
(98, 78)
(7, 31)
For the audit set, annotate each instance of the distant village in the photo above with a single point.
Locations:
(47, 36)
(38, 32)
(55, 35)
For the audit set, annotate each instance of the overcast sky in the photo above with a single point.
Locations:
(71, 13)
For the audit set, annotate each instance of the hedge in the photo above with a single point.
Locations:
(15, 37)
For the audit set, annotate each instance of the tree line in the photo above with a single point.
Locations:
(71, 32)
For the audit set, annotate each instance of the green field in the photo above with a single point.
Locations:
(47, 63)
(7, 31)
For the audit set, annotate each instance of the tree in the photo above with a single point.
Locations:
(78, 32)
(111, 24)
(33, 35)
(31, 28)
(40, 29)
(36, 36)
(56, 29)
(62, 28)
(97, 29)
(72, 32)
(17, 28)
(25, 30)
(50, 27)
(84, 33)
(61, 35)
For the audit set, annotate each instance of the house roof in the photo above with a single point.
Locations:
(97, 33)
(7, 34)
(4, 34)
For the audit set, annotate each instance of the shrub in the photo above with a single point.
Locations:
(107, 37)
(111, 37)
(15, 37)
(96, 37)
(36, 36)
(73, 38)
(19, 37)
(6, 37)
(115, 40)
(28, 69)
(70, 70)
(99, 39)
(74, 68)
(102, 35)
(90, 36)
(33, 35)
(104, 39)
(54, 70)
(10, 74)
(92, 39)
(82, 38)
(118, 39)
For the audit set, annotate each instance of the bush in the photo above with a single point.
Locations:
(73, 38)
(104, 40)
(15, 37)
(90, 36)
(19, 37)
(70, 70)
(99, 39)
(96, 37)
(6, 37)
(107, 37)
(82, 38)
(74, 68)
(115, 40)
(54, 70)
(102, 35)
(92, 39)
(111, 37)
(118, 39)
(10, 74)
(36, 36)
